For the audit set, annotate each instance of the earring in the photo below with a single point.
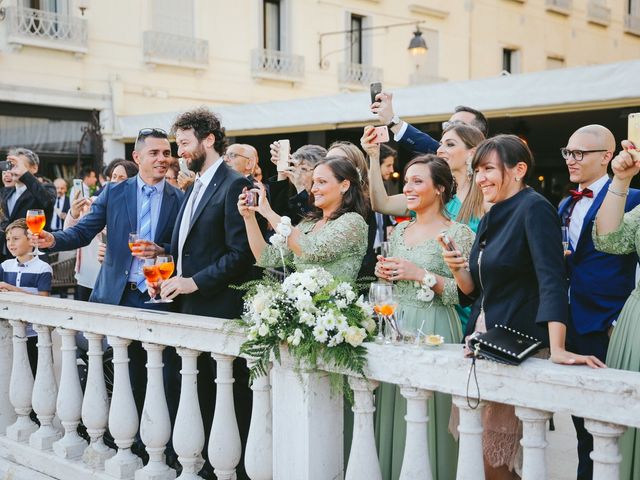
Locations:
(517, 179)
(438, 192)
(342, 192)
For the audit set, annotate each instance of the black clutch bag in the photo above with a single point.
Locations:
(504, 345)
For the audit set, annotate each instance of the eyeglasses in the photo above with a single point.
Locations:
(233, 155)
(577, 155)
(156, 132)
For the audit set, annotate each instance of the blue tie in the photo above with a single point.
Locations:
(144, 225)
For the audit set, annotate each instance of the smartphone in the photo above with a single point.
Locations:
(251, 199)
(382, 134)
(183, 166)
(5, 165)
(103, 237)
(447, 241)
(77, 185)
(634, 129)
(376, 88)
(283, 159)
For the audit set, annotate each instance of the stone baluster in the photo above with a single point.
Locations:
(470, 462)
(188, 431)
(123, 417)
(415, 463)
(258, 456)
(155, 426)
(21, 385)
(224, 442)
(606, 452)
(95, 406)
(69, 405)
(363, 458)
(534, 426)
(7, 413)
(45, 393)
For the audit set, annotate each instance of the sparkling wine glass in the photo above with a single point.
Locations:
(166, 267)
(385, 304)
(151, 272)
(35, 222)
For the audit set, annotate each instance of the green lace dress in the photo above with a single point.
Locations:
(624, 346)
(439, 317)
(338, 247)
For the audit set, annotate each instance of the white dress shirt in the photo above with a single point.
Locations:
(581, 208)
(192, 204)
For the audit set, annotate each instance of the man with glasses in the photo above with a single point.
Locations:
(599, 283)
(413, 139)
(242, 158)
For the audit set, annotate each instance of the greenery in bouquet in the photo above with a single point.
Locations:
(315, 315)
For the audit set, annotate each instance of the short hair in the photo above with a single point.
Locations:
(131, 168)
(386, 151)
(480, 121)
(20, 223)
(204, 123)
(310, 153)
(86, 172)
(30, 155)
(510, 150)
(441, 176)
(141, 139)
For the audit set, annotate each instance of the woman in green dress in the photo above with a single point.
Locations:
(618, 233)
(427, 294)
(333, 237)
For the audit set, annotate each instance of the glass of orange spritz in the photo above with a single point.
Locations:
(35, 223)
(166, 266)
(383, 296)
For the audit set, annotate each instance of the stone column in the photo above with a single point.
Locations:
(470, 462)
(606, 452)
(534, 426)
(416, 463)
(363, 458)
(258, 457)
(7, 413)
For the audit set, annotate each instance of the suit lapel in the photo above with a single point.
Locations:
(593, 210)
(214, 184)
(165, 205)
(132, 203)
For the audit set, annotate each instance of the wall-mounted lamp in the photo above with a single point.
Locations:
(83, 5)
(417, 45)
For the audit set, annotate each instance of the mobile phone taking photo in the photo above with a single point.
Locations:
(382, 134)
(283, 158)
(633, 133)
(375, 88)
(5, 165)
(77, 185)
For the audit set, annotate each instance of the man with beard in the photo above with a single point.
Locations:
(211, 250)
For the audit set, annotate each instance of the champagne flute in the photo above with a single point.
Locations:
(385, 249)
(151, 272)
(386, 304)
(166, 267)
(373, 300)
(35, 222)
(134, 243)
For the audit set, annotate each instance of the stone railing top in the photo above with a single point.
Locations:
(607, 395)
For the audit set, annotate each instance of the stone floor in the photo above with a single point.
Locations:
(561, 451)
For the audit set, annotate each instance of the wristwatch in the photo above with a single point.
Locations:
(395, 120)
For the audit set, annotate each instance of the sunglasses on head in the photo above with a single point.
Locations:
(155, 132)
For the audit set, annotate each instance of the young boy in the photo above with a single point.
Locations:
(25, 273)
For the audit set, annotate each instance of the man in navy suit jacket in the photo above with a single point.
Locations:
(117, 208)
(413, 139)
(61, 205)
(599, 283)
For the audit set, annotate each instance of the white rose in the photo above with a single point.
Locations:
(369, 325)
(354, 336)
(284, 230)
(340, 303)
(263, 330)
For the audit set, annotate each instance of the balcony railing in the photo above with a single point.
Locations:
(358, 74)
(176, 50)
(276, 65)
(41, 28)
(598, 13)
(296, 430)
(563, 7)
(632, 24)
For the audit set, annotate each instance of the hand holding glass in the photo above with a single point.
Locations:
(160, 269)
(35, 222)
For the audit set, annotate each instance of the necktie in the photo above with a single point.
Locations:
(579, 195)
(57, 216)
(144, 225)
(187, 216)
(196, 190)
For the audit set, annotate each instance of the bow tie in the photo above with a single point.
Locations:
(577, 195)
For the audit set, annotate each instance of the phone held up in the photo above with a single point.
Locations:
(382, 134)
(448, 243)
(77, 185)
(283, 158)
(5, 165)
(376, 88)
(183, 166)
(634, 129)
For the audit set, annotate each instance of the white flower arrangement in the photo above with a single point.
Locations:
(426, 293)
(313, 314)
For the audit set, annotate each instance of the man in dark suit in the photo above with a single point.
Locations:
(27, 194)
(413, 139)
(61, 206)
(599, 283)
(212, 252)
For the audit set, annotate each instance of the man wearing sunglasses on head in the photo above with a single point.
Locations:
(599, 283)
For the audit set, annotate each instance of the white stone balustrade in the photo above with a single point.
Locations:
(297, 425)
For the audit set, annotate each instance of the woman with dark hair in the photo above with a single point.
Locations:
(517, 278)
(332, 236)
(427, 294)
(120, 169)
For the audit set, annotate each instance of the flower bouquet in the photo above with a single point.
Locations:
(315, 315)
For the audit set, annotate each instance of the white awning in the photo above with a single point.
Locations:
(563, 90)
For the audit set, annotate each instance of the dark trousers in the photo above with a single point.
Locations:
(594, 343)
(83, 293)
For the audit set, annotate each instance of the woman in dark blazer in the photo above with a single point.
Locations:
(516, 278)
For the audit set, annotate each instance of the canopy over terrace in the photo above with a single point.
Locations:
(553, 91)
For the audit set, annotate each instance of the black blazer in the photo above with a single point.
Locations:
(216, 251)
(523, 274)
(37, 196)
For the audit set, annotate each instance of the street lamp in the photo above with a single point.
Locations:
(417, 45)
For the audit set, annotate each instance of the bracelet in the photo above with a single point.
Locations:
(619, 194)
(425, 293)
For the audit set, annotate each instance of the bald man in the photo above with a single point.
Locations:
(599, 283)
(242, 158)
